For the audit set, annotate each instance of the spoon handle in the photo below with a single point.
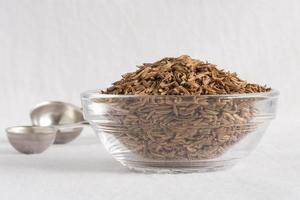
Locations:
(72, 125)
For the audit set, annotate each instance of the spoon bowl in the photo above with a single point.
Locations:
(31, 139)
(56, 113)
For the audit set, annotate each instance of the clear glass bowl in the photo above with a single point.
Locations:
(179, 133)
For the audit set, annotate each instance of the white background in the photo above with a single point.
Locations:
(55, 49)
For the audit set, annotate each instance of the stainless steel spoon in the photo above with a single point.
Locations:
(31, 139)
(65, 117)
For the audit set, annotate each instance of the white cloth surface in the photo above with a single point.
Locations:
(55, 49)
(83, 169)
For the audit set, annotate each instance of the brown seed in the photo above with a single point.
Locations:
(188, 126)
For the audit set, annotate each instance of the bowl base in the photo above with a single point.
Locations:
(171, 167)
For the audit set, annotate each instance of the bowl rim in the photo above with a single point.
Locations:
(46, 103)
(33, 112)
(19, 130)
(273, 93)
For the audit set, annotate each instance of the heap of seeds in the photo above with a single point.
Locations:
(181, 76)
(174, 117)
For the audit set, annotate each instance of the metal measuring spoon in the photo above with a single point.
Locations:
(66, 117)
(31, 139)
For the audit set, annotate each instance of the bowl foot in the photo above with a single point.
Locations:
(171, 167)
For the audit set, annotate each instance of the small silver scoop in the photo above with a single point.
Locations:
(65, 117)
(31, 139)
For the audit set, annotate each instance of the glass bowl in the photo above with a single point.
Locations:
(172, 134)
